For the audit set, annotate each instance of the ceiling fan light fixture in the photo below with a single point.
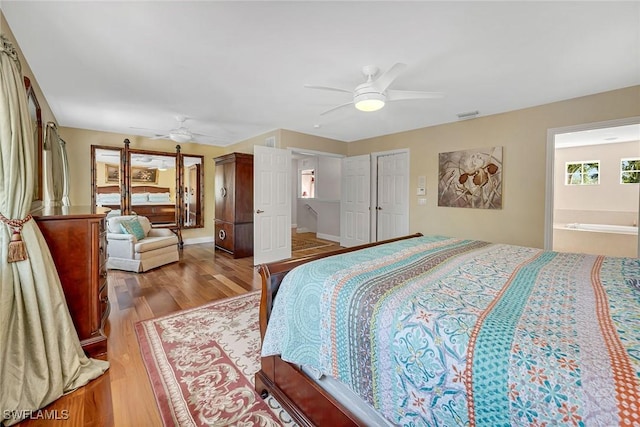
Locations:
(179, 137)
(368, 102)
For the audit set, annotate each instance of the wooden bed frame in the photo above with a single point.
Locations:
(306, 402)
(110, 189)
(157, 214)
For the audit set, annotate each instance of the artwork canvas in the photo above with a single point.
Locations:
(139, 174)
(112, 173)
(471, 178)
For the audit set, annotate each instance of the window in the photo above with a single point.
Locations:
(307, 183)
(582, 173)
(630, 171)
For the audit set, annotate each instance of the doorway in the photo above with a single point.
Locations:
(593, 189)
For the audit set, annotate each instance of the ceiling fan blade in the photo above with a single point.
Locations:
(160, 137)
(400, 95)
(335, 89)
(336, 108)
(382, 83)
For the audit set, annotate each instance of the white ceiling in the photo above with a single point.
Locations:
(611, 135)
(237, 69)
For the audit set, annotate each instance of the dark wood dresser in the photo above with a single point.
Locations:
(78, 245)
(234, 204)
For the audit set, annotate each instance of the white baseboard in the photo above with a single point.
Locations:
(196, 240)
(303, 230)
(328, 237)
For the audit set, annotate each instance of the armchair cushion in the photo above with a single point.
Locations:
(133, 226)
(152, 243)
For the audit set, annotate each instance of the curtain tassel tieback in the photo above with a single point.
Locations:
(17, 249)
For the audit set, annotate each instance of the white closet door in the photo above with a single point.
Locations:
(355, 201)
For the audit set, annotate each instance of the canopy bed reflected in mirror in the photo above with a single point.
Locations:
(152, 186)
(167, 188)
(35, 113)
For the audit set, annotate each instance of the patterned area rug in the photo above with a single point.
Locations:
(201, 364)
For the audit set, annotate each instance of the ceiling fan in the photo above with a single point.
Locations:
(374, 93)
(181, 134)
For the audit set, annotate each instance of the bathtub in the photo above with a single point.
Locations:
(605, 228)
(597, 239)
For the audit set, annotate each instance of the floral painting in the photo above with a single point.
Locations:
(144, 175)
(138, 174)
(471, 178)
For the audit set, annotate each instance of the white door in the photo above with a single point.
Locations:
(355, 201)
(271, 204)
(392, 204)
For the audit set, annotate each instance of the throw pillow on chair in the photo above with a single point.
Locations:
(133, 227)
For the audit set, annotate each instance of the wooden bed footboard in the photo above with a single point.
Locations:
(306, 402)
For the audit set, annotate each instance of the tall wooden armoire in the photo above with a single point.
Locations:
(234, 204)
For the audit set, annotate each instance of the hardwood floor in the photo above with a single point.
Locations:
(123, 396)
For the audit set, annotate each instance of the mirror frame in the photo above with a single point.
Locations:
(125, 181)
(37, 200)
(200, 213)
(94, 172)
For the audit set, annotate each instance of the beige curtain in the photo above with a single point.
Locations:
(53, 165)
(65, 168)
(40, 355)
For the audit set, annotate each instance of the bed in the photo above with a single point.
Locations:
(428, 330)
(146, 200)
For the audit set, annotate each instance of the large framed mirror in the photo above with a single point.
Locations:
(35, 113)
(193, 194)
(167, 188)
(153, 192)
(106, 178)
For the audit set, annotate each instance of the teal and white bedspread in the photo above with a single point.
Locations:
(433, 331)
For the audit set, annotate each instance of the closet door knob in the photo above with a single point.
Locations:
(259, 211)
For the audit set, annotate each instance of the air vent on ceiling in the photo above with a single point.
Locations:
(468, 115)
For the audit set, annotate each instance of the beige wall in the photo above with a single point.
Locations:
(79, 143)
(523, 134)
(609, 195)
(290, 139)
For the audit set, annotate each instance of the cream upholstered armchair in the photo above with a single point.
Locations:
(134, 246)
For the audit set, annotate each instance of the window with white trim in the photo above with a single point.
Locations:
(630, 171)
(582, 173)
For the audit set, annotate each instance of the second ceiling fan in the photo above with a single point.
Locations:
(374, 93)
